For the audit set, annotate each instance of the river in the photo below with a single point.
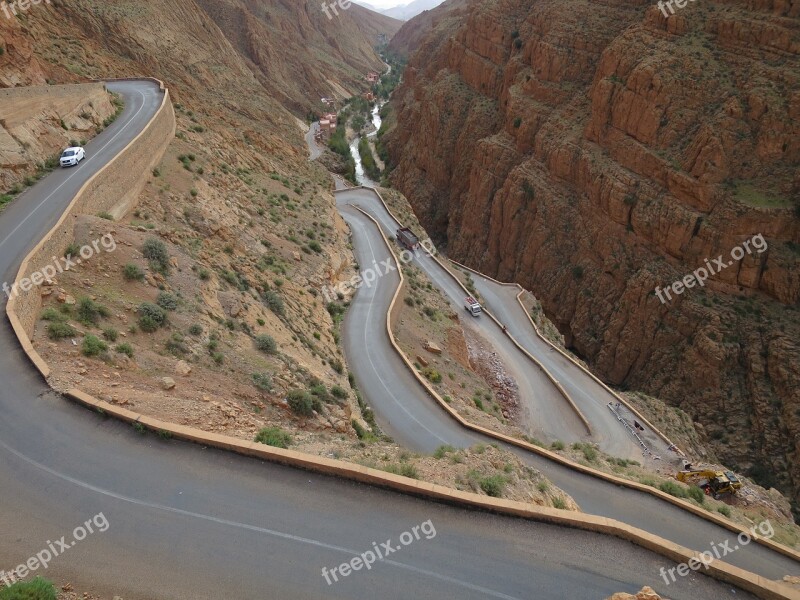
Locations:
(361, 177)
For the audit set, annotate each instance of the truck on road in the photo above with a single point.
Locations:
(407, 239)
(472, 306)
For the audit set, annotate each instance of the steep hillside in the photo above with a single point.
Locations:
(300, 54)
(249, 225)
(444, 18)
(594, 153)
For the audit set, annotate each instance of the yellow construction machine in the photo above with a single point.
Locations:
(715, 483)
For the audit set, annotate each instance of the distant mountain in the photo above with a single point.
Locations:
(404, 12)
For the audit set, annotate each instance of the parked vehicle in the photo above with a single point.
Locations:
(72, 156)
(713, 483)
(472, 306)
(407, 239)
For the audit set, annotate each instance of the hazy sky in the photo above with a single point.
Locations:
(385, 3)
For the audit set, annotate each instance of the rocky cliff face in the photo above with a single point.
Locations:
(593, 152)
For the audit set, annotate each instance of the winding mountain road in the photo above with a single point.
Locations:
(188, 522)
(408, 413)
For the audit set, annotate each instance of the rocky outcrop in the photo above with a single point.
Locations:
(594, 154)
(646, 593)
(37, 122)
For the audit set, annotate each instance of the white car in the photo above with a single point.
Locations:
(72, 156)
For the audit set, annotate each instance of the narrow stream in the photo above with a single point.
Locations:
(361, 177)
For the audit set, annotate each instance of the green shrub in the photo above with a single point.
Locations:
(724, 510)
(72, 250)
(132, 272)
(266, 343)
(404, 469)
(361, 433)
(559, 503)
(88, 311)
(589, 452)
(274, 436)
(155, 251)
(697, 494)
(110, 334)
(273, 300)
(432, 375)
(176, 346)
(301, 402)
(37, 589)
(493, 485)
(58, 330)
(151, 317)
(126, 349)
(51, 314)
(196, 329)
(339, 392)
(673, 489)
(167, 301)
(557, 445)
(263, 381)
(93, 346)
(442, 451)
(320, 392)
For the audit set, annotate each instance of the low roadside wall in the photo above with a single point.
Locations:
(760, 587)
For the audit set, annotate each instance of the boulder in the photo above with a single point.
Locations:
(183, 368)
(432, 347)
